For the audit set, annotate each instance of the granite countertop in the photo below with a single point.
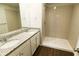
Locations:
(22, 37)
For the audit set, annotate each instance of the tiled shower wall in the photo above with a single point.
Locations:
(58, 21)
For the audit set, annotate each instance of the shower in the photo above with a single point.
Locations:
(57, 25)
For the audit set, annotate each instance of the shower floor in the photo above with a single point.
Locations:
(57, 43)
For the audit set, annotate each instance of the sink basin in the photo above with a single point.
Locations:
(10, 44)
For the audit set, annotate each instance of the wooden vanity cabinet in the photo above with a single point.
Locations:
(28, 48)
(23, 50)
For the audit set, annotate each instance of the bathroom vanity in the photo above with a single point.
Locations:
(24, 43)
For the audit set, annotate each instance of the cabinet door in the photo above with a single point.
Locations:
(38, 39)
(23, 50)
(27, 49)
(15, 53)
(33, 44)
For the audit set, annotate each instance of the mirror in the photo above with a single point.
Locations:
(9, 17)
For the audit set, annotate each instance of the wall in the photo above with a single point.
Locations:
(25, 14)
(58, 21)
(31, 14)
(74, 29)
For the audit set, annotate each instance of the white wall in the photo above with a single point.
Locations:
(31, 14)
(25, 14)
